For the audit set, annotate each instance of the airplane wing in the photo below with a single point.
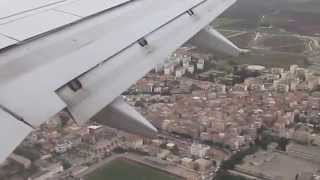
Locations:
(80, 55)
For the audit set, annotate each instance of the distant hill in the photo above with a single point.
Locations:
(297, 16)
(305, 6)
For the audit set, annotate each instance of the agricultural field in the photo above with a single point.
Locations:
(243, 40)
(270, 59)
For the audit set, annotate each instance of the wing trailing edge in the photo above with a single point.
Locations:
(12, 132)
(99, 57)
(121, 115)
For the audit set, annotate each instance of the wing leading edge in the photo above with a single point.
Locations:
(85, 66)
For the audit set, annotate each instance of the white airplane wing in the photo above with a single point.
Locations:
(80, 55)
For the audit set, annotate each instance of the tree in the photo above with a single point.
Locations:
(66, 164)
(238, 157)
(283, 142)
(232, 63)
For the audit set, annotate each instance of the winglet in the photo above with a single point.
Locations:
(210, 39)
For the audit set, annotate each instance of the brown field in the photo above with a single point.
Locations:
(244, 40)
(270, 59)
(283, 43)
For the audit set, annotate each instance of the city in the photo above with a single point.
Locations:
(206, 117)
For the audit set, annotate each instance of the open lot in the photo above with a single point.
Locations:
(279, 165)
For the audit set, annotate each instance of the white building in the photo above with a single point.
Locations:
(186, 61)
(180, 72)
(169, 68)
(187, 162)
(165, 124)
(135, 142)
(200, 64)
(63, 147)
(167, 71)
(293, 69)
(191, 69)
(293, 85)
(158, 68)
(199, 150)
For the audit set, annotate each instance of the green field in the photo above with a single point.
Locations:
(230, 177)
(123, 170)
